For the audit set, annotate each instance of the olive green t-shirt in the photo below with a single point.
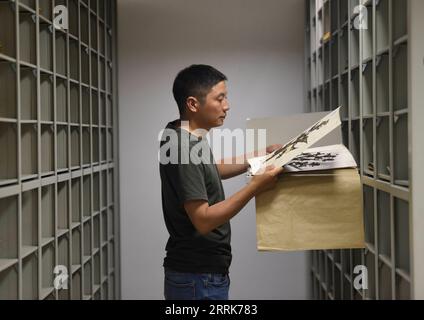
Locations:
(186, 178)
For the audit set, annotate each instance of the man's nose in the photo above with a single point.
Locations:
(226, 107)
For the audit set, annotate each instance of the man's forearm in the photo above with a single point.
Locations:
(218, 214)
(229, 168)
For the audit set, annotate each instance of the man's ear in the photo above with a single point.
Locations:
(193, 104)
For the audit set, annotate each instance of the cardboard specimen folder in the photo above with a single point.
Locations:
(310, 208)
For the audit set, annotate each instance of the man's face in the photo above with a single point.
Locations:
(213, 111)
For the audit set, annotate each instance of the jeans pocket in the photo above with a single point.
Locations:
(179, 287)
(220, 280)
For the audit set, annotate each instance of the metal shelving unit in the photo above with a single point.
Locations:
(58, 199)
(367, 73)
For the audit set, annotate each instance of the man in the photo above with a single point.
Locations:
(195, 210)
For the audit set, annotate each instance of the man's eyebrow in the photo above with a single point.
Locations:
(222, 94)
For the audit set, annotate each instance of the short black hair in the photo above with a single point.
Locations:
(195, 81)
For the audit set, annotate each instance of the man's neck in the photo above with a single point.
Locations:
(193, 127)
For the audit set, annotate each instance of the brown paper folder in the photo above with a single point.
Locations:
(317, 210)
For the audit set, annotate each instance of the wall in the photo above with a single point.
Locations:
(259, 45)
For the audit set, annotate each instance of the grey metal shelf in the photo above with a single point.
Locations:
(366, 73)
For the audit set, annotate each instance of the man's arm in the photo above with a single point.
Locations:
(229, 168)
(206, 218)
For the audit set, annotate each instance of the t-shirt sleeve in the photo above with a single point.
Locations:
(190, 182)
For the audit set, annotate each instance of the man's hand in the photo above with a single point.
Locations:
(267, 180)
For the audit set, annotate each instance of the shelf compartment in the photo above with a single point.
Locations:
(76, 246)
(384, 282)
(9, 228)
(344, 96)
(95, 108)
(109, 77)
(110, 144)
(47, 148)
(103, 112)
(73, 17)
(369, 214)
(111, 220)
(93, 29)
(383, 148)
(401, 158)
(62, 147)
(102, 76)
(45, 8)
(96, 232)
(367, 38)
(402, 234)
(86, 196)
(46, 97)
(30, 278)
(61, 100)
(327, 96)
(104, 189)
(384, 223)
(75, 146)
(367, 94)
(8, 145)
(399, 18)
(112, 256)
(8, 31)
(337, 284)
(87, 279)
(345, 133)
(105, 292)
(46, 46)
(29, 149)
(110, 111)
(87, 238)
(30, 218)
(355, 146)
(85, 65)
(334, 7)
(97, 269)
(7, 88)
(370, 264)
(86, 146)
(327, 62)
(346, 262)
(61, 53)
(104, 144)
(382, 83)
(102, 47)
(104, 268)
(76, 286)
(344, 10)
(84, 29)
(74, 59)
(94, 71)
(110, 187)
(354, 47)
(48, 211)
(9, 283)
(112, 287)
(48, 264)
(403, 289)
(382, 24)
(28, 81)
(368, 150)
(334, 56)
(76, 200)
(104, 237)
(96, 151)
(63, 205)
(355, 94)
(63, 258)
(400, 77)
(27, 37)
(28, 3)
(344, 49)
(85, 105)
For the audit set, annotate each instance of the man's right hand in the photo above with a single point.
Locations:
(266, 180)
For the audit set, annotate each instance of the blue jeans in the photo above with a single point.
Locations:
(196, 286)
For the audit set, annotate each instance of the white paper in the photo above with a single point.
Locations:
(299, 144)
(322, 158)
